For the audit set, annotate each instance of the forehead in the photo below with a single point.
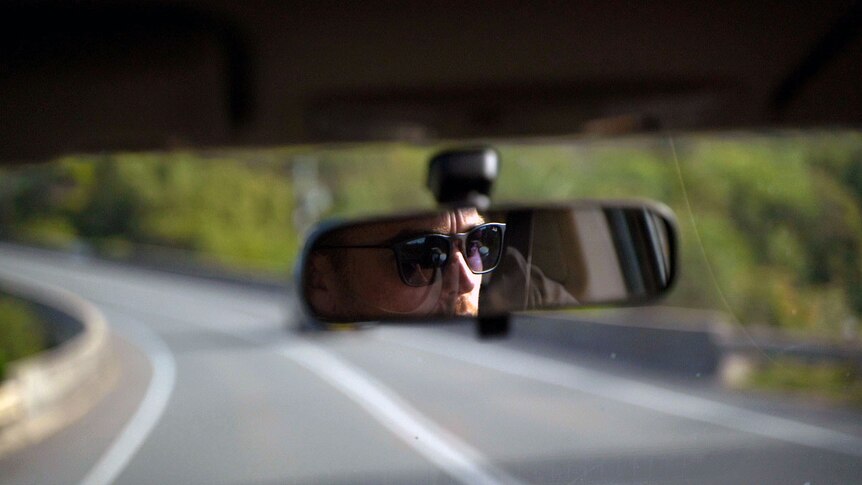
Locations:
(450, 222)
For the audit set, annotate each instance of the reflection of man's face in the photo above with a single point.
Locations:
(366, 282)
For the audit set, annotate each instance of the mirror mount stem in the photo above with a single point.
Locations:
(463, 177)
(489, 328)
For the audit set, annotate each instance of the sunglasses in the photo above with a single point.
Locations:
(420, 257)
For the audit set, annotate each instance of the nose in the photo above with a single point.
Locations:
(457, 275)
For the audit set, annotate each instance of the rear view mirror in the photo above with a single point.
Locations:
(465, 262)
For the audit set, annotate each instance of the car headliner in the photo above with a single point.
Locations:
(102, 76)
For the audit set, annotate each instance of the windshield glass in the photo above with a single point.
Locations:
(202, 369)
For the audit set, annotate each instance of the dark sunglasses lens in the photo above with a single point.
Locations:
(419, 259)
(483, 247)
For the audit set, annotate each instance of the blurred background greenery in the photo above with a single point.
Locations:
(771, 223)
(21, 333)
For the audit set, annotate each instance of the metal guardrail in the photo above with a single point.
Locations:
(685, 342)
(43, 392)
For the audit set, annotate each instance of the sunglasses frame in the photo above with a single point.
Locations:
(396, 247)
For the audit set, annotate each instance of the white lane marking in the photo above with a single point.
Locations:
(452, 455)
(127, 443)
(620, 389)
(633, 392)
(455, 457)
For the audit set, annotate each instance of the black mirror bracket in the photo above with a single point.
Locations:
(488, 328)
(465, 177)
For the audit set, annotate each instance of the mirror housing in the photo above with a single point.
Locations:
(467, 263)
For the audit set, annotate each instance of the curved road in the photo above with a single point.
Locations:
(213, 389)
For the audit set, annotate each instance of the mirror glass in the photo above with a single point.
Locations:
(466, 262)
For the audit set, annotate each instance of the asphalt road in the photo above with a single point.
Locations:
(214, 389)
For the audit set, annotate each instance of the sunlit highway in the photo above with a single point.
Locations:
(215, 387)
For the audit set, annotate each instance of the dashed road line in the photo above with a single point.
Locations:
(136, 431)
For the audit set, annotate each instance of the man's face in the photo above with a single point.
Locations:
(365, 282)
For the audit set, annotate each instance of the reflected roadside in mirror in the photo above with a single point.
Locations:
(467, 263)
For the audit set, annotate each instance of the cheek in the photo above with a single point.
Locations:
(393, 295)
(378, 285)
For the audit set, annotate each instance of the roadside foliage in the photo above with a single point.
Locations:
(21, 334)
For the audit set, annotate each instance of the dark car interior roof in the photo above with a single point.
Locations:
(99, 75)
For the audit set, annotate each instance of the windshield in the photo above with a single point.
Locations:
(197, 366)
